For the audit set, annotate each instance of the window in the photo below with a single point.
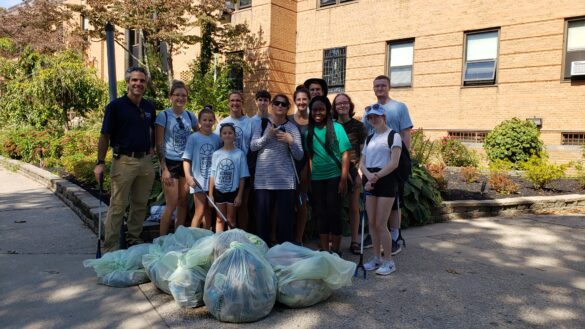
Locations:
(575, 45)
(334, 69)
(573, 138)
(400, 58)
(481, 57)
(468, 136)
(324, 3)
(244, 4)
(134, 44)
(235, 63)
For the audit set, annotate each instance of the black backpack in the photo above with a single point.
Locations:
(404, 169)
(252, 156)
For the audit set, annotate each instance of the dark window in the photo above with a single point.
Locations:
(573, 138)
(400, 59)
(134, 45)
(468, 136)
(244, 4)
(235, 62)
(334, 69)
(324, 3)
(481, 58)
(575, 49)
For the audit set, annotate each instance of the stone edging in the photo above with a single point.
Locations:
(86, 206)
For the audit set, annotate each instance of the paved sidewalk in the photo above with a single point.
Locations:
(520, 272)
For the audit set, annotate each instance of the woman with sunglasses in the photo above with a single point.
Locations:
(328, 148)
(300, 118)
(278, 146)
(173, 126)
(356, 132)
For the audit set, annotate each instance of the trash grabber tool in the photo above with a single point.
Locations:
(98, 253)
(361, 263)
(227, 222)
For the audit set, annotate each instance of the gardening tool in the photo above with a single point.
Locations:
(214, 205)
(361, 263)
(98, 253)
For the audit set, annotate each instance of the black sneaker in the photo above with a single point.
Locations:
(368, 242)
(396, 248)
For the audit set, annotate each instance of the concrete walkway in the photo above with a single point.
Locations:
(519, 272)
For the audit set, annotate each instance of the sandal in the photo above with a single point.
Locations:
(354, 247)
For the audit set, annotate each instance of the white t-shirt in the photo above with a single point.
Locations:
(377, 152)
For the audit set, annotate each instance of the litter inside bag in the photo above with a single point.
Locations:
(187, 282)
(183, 238)
(307, 277)
(240, 285)
(223, 240)
(120, 268)
(159, 266)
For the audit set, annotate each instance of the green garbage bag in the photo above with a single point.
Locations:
(307, 277)
(187, 282)
(120, 268)
(240, 285)
(223, 241)
(159, 266)
(183, 238)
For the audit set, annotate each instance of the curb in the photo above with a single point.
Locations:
(86, 206)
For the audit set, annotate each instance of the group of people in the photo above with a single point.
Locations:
(267, 167)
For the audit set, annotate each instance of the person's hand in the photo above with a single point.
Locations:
(342, 187)
(98, 172)
(238, 201)
(191, 181)
(283, 136)
(369, 186)
(271, 131)
(374, 178)
(166, 178)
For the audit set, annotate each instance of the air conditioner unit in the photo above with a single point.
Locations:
(578, 68)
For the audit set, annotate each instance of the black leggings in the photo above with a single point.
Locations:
(283, 202)
(326, 205)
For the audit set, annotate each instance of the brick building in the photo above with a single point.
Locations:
(461, 66)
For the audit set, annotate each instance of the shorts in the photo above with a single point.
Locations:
(399, 201)
(386, 187)
(224, 197)
(175, 168)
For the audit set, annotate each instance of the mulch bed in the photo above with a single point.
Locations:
(458, 189)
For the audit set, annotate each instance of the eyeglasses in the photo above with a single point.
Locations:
(279, 103)
(342, 104)
(180, 123)
(180, 95)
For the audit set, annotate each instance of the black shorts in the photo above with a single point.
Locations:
(224, 197)
(175, 168)
(386, 186)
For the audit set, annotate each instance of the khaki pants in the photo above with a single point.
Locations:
(131, 182)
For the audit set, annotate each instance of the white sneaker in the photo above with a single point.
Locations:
(372, 264)
(387, 268)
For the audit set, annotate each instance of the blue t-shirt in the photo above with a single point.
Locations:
(176, 137)
(397, 117)
(243, 127)
(199, 151)
(227, 168)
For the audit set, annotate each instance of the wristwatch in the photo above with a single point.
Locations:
(99, 162)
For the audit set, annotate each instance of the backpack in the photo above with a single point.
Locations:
(252, 156)
(404, 169)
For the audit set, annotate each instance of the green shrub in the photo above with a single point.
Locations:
(422, 149)
(540, 172)
(29, 145)
(580, 168)
(469, 174)
(501, 182)
(513, 140)
(456, 154)
(421, 196)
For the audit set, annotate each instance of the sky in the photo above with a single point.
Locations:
(9, 3)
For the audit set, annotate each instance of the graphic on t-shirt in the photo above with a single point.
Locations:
(225, 170)
(179, 138)
(239, 137)
(205, 155)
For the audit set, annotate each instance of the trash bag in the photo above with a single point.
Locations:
(120, 268)
(307, 277)
(187, 282)
(183, 238)
(240, 285)
(159, 266)
(223, 240)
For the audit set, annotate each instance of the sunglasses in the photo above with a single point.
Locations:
(180, 123)
(280, 103)
(376, 106)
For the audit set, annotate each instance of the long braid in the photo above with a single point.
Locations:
(331, 143)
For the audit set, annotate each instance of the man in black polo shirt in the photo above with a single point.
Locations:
(128, 127)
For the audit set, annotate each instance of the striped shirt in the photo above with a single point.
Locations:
(274, 167)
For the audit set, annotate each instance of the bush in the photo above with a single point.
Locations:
(501, 182)
(469, 174)
(423, 150)
(437, 171)
(513, 140)
(580, 168)
(421, 196)
(540, 172)
(456, 154)
(29, 145)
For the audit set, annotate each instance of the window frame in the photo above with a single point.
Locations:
(332, 3)
(389, 59)
(240, 6)
(335, 88)
(480, 82)
(567, 59)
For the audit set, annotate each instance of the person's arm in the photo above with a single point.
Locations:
(103, 143)
(238, 199)
(406, 137)
(160, 151)
(211, 187)
(187, 169)
(258, 140)
(390, 167)
(342, 188)
(295, 143)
